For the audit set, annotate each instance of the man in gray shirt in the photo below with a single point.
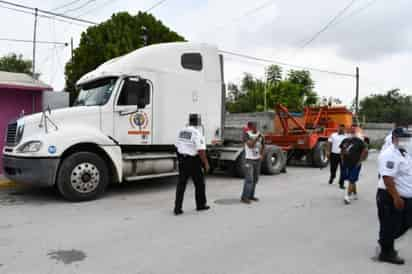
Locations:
(254, 145)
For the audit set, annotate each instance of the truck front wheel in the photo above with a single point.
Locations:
(82, 176)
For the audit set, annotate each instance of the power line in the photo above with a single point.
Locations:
(66, 5)
(323, 29)
(155, 5)
(79, 7)
(49, 12)
(356, 12)
(40, 15)
(286, 64)
(104, 4)
(31, 41)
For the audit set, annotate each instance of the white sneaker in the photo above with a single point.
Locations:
(346, 200)
(355, 196)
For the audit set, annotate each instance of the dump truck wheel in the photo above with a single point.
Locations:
(82, 176)
(238, 168)
(274, 160)
(320, 155)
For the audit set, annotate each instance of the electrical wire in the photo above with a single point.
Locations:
(286, 64)
(41, 15)
(355, 12)
(94, 9)
(330, 23)
(66, 5)
(155, 5)
(31, 41)
(48, 12)
(79, 7)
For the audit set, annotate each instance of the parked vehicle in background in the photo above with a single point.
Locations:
(304, 137)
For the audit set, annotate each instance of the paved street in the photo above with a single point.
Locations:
(300, 226)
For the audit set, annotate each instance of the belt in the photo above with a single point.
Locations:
(187, 156)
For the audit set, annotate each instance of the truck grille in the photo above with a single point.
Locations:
(11, 136)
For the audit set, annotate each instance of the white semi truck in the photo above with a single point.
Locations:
(124, 123)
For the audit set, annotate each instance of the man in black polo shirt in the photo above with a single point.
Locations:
(353, 152)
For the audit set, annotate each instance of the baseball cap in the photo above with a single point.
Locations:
(401, 132)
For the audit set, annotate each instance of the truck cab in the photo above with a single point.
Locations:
(123, 125)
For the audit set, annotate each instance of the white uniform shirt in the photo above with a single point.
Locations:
(190, 141)
(252, 153)
(336, 139)
(388, 142)
(392, 163)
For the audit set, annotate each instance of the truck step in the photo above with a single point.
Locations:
(150, 176)
(150, 156)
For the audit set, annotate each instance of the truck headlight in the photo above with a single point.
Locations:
(32, 146)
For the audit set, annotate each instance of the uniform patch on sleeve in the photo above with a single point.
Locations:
(390, 164)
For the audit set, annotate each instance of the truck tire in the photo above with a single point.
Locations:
(82, 176)
(320, 155)
(274, 160)
(238, 168)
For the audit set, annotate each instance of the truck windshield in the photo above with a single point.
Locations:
(96, 93)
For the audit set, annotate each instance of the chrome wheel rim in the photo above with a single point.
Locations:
(85, 178)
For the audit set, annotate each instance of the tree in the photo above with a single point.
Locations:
(15, 63)
(117, 36)
(392, 107)
(295, 91)
(274, 74)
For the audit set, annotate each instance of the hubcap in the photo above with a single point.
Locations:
(323, 156)
(85, 177)
(274, 160)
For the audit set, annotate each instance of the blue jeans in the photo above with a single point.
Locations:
(252, 171)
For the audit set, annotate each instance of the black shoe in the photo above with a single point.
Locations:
(178, 212)
(330, 181)
(206, 207)
(245, 201)
(391, 257)
(254, 199)
(342, 187)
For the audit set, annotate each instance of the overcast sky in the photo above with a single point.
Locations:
(375, 35)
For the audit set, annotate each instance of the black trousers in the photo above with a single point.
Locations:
(335, 161)
(393, 222)
(190, 167)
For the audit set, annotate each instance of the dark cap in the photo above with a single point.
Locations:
(195, 119)
(401, 132)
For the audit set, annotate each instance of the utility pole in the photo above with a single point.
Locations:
(265, 94)
(34, 42)
(357, 92)
(71, 48)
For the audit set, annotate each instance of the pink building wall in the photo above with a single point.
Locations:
(12, 102)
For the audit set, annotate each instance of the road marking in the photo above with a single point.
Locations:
(7, 184)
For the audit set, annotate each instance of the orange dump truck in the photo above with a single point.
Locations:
(304, 136)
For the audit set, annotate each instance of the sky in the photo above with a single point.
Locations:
(375, 35)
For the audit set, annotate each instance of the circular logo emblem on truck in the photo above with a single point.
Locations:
(139, 120)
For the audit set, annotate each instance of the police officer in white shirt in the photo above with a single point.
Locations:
(394, 196)
(334, 154)
(191, 153)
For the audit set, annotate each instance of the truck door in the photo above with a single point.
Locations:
(133, 112)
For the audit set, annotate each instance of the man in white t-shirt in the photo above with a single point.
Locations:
(394, 196)
(254, 145)
(334, 142)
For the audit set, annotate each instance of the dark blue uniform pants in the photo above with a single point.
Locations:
(190, 167)
(393, 222)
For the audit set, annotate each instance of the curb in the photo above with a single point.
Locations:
(4, 184)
